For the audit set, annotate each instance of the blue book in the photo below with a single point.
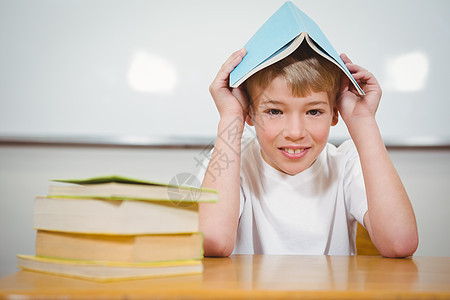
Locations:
(281, 35)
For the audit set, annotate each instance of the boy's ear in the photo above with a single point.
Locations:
(248, 118)
(335, 118)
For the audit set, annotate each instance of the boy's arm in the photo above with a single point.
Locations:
(219, 221)
(390, 218)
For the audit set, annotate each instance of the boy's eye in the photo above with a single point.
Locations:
(274, 112)
(314, 112)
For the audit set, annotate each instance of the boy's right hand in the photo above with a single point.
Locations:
(229, 101)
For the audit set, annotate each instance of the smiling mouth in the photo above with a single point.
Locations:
(294, 153)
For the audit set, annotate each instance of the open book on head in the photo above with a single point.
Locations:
(281, 35)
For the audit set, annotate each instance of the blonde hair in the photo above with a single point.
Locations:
(304, 70)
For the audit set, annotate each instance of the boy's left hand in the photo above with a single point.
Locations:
(353, 106)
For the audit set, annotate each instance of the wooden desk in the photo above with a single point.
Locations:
(262, 276)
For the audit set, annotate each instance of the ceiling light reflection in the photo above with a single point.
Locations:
(150, 73)
(407, 72)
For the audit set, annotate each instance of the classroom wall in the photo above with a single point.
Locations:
(25, 172)
(148, 63)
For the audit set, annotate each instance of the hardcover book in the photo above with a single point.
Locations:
(114, 216)
(122, 188)
(105, 271)
(124, 248)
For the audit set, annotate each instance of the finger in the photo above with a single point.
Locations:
(364, 76)
(234, 59)
(221, 81)
(353, 68)
(345, 58)
(230, 64)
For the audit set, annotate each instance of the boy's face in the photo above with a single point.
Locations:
(292, 131)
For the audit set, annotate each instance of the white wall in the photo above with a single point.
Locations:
(25, 172)
(61, 60)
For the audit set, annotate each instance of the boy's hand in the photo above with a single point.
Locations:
(229, 101)
(353, 106)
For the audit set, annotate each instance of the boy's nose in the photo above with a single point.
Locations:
(294, 129)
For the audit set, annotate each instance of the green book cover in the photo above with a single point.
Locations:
(122, 179)
(119, 187)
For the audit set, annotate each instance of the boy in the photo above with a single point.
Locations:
(288, 191)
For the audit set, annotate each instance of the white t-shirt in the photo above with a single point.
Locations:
(313, 212)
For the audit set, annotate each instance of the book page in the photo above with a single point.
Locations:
(344, 69)
(285, 51)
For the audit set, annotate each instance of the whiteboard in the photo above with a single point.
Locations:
(110, 68)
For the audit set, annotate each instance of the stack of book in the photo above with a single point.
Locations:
(114, 227)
